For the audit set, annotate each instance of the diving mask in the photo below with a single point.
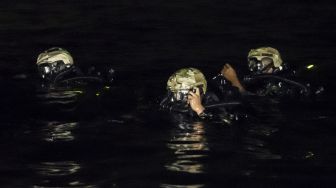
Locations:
(262, 65)
(48, 69)
(182, 94)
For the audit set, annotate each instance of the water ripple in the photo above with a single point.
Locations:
(56, 131)
(189, 145)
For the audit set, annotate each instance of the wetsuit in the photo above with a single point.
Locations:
(74, 77)
(218, 103)
(182, 107)
(282, 85)
(73, 91)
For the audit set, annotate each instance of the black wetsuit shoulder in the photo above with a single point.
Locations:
(209, 98)
(74, 77)
(282, 85)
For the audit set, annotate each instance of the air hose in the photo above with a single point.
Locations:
(61, 75)
(83, 78)
(223, 104)
(184, 109)
(249, 78)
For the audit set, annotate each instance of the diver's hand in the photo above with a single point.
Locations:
(230, 74)
(195, 101)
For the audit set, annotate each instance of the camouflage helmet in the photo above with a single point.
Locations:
(265, 52)
(186, 79)
(53, 55)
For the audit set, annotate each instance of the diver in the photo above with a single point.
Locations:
(65, 88)
(56, 68)
(188, 94)
(269, 76)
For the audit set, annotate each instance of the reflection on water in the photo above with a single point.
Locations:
(181, 186)
(56, 131)
(60, 100)
(62, 168)
(258, 149)
(59, 174)
(54, 170)
(60, 97)
(189, 145)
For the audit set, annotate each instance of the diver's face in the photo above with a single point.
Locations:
(262, 66)
(47, 69)
(182, 95)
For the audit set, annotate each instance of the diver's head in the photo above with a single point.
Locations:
(53, 61)
(264, 60)
(184, 80)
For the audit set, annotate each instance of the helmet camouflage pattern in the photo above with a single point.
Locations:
(269, 52)
(186, 79)
(53, 55)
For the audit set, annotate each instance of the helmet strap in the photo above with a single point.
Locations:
(269, 66)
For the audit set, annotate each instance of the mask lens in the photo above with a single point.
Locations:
(44, 69)
(253, 64)
(182, 95)
(259, 66)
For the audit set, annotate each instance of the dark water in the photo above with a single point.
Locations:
(116, 137)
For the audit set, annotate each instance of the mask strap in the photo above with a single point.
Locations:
(269, 66)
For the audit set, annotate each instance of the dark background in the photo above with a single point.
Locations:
(154, 38)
